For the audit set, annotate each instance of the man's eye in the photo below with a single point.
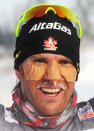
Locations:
(40, 60)
(65, 62)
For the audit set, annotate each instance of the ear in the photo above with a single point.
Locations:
(18, 73)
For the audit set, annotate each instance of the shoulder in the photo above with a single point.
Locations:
(86, 109)
(7, 123)
(85, 113)
(91, 101)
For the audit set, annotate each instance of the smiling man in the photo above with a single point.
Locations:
(47, 66)
(43, 78)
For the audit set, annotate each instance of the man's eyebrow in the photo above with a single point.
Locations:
(39, 57)
(66, 59)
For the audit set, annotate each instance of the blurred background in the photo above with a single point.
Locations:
(10, 12)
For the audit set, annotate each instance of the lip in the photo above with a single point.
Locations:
(50, 87)
(51, 98)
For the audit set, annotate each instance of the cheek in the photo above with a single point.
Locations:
(31, 93)
(68, 93)
(69, 73)
(28, 89)
(34, 72)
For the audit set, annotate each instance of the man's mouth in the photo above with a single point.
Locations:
(51, 92)
(50, 88)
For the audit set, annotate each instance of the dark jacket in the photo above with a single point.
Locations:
(82, 121)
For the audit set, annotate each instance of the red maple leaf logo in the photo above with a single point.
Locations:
(50, 43)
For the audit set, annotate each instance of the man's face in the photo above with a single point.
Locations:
(47, 81)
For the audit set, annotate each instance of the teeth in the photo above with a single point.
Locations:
(51, 90)
(51, 95)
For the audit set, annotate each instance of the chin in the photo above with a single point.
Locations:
(51, 111)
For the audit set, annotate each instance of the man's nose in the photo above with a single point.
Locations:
(53, 72)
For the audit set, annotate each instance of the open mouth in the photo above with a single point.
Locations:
(50, 88)
(51, 92)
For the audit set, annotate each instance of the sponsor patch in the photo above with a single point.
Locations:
(9, 117)
(86, 112)
(55, 26)
(50, 44)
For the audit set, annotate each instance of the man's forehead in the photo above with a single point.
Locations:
(49, 56)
